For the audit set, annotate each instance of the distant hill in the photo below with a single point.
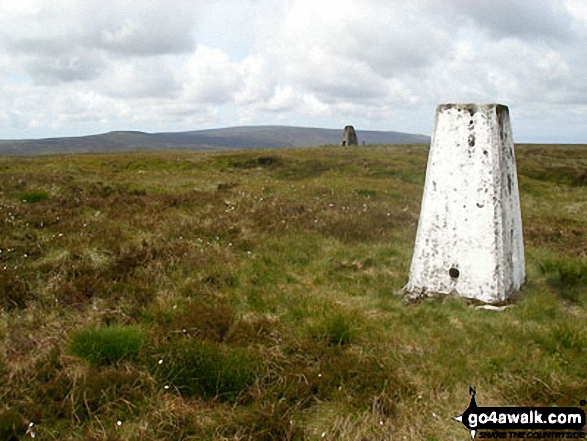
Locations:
(245, 137)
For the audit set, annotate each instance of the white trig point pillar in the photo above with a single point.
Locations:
(469, 241)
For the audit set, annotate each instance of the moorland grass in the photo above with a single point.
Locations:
(107, 344)
(33, 197)
(264, 282)
(206, 369)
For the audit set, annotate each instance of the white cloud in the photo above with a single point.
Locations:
(312, 106)
(209, 76)
(258, 80)
(344, 50)
(145, 77)
(69, 67)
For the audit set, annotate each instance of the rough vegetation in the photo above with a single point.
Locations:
(251, 295)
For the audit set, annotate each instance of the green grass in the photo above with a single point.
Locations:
(11, 425)
(107, 345)
(264, 281)
(205, 369)
(32, 197)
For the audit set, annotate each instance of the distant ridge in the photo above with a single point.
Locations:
(230, 138)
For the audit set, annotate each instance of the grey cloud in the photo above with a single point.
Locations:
(56, 59)
(145, 36)
(524, 19)
(60, 71)
(142, 28)
(64, 68)
(12, 119)
(390, 51)
(73, 42)
(46, 46)
(342, 83)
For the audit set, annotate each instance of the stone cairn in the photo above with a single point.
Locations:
(349, 137)
(469, 241)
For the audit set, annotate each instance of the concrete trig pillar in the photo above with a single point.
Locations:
(469, 240)
(349, 136)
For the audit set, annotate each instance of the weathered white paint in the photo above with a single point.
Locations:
(469, 239)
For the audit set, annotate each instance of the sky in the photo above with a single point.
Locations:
(79, 67)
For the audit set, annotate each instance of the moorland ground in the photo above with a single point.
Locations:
(251, 295)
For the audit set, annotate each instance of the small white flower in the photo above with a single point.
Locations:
(119, 423)
(323, 434)
(30, 431)
(166, 387)
(161, 361)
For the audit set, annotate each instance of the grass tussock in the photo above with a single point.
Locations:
(250, 296)
(33, 197)
(205, 369)
(108, 344)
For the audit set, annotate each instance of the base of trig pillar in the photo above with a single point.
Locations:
(469, 241)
